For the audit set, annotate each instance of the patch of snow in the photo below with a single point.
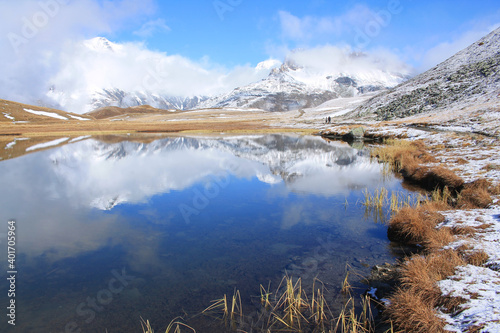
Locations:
(486, 238)
(8, 116)
(47, 144)
(47, 114)
(480, 286)
(78, 118)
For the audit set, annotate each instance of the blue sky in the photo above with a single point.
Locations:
(208, 47)
(233, 32)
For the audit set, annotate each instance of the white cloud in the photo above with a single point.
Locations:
(43, 49)
(99, 64)
(149, 28)
(336, 59)
(34, 33)
(310, 27)
(444, 50)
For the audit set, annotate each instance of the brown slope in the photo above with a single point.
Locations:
(11, 112)
(115, 111)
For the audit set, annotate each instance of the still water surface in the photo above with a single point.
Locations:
(109, 232)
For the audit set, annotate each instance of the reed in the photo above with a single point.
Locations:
(291, 305)
(232, 312)
(173, 327)
(290, 309)
(346, 285)
(441, 196)
(264, 296)
(350, 322)
(319, 308)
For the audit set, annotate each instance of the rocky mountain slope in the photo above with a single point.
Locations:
(126, 99)
(469, 79)
(292, 87)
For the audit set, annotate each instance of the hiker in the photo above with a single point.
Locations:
(329, 120)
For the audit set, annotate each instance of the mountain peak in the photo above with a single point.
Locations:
(101, 44)
(268, 64)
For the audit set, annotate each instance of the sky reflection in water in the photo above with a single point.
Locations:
(189, 219)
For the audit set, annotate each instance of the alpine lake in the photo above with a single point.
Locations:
(112, 230)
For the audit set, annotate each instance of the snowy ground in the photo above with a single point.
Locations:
(471, 156)
(479, 286)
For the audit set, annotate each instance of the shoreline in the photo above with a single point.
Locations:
(470, 156)
(466, 232)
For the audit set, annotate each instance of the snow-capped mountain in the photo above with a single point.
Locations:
(125, 99)
(96, 91)
(292, 86)
(468, 80)
(99, 73)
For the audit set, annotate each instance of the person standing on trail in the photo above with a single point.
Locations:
(329, 119)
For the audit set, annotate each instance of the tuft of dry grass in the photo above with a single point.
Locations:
(475, 195)
(495, 189)
(491, 166)
(463, 231)
(408, 158)
(476, 257)
(483, 226)
(436, 177)
(410, 312)
(415, 225)
(402, 154)
(422, 272)
(412, 306)
(451, 305)
(438, 239)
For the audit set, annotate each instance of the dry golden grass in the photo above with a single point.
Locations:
(476, 194)
(141, 119)
(436, 177)
(461, 161)
(411, 313)
(422, 272)
(472, 256)
(438, 238)
(412, 306)
(477, 258)
(409, 158)
(402, 155)
(483, 226)
(491, 166)
(175, 326)
(415, 225)
(463, 231)
(474, 198)
(448, 304)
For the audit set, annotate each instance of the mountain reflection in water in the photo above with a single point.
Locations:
(187, 219)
